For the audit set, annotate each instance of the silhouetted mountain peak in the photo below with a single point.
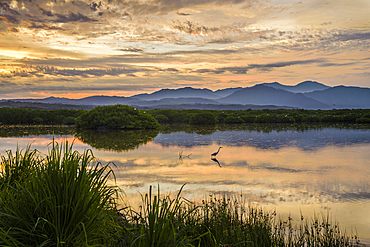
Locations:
(343, 97)
(303, 87)
(265, 95)
(187, 92)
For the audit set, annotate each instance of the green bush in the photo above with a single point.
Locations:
(233, 120)
(266, 118)
(221, 117)
(363, 120)
(248, 118)
(38, 120)
(285, 119)
(69, 121)
(161, 118)
(202, 118)
(116, 117)
(311, 119)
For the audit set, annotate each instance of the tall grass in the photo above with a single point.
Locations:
(224, 221)
(163, 221)
(59, 200)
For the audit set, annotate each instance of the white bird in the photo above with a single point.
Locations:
(215, 153)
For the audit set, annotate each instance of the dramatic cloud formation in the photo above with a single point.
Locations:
(113, 47)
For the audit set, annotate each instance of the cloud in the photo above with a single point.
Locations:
(213, 41)
(180, 13)
(40, 71)
(73, 17)
(348, 36)
(46, 12)
(4, 6)
(191, 28)
(34, 25)
(10, 19)
(13, 29)
(258, 67)
(162, 7)
(95, 6)
(131, 49)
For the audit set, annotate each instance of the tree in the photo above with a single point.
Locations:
(69, 121)
(116, 117)
(162, 118)
(38, 120)
(202, 118)
(233, 120)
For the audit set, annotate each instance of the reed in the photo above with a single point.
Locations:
(163, 221)
(227, 221)
(59, 200)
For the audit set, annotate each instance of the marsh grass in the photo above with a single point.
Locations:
(59, 200)
(163, 221)
(63, 199)
(226, 220)
(318, 230)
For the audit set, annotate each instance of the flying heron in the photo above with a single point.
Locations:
(215, 153)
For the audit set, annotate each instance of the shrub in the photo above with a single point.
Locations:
(116, 117)
(248, 118)
(363, 120)
(233, 120)
(38, 120)
(266, 118)
(202, 118)
(161, 118)
(69, 121)
(221, 117)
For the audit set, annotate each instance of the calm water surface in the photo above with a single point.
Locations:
(290, 169)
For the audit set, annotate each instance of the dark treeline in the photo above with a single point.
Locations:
(69, 116)
(262, 116)
(30, 116)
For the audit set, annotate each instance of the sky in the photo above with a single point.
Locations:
(80, 48)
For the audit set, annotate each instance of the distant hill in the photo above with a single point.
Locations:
(343, 97)
(186, 92)
(175, 101)
(93, 100)
(42, 106)
(264, 95)
(315, 96)
(226, 92)
(303, 87)
(213, 107)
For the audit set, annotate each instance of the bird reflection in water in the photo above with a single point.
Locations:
(216, 161)
(181, 156)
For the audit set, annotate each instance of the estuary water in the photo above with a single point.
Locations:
(294, 169)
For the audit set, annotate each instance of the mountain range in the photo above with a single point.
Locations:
(307, 95)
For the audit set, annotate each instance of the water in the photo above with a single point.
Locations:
(301, 169)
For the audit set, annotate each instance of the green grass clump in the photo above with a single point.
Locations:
(59, 200)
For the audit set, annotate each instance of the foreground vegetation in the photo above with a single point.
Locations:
(130, 117)
(64, 199)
